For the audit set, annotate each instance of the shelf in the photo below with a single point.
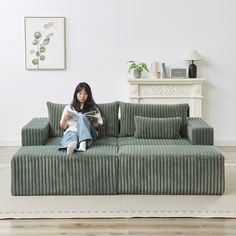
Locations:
(168, 91)
(166, 81)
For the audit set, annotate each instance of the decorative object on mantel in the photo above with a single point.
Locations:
(137, 68)
(192, 69)
(155, 73)
(164, 72)
(178, 73)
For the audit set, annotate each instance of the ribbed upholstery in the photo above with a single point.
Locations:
(43, 170)
(129, 110)
(111, 120)
(162, 169)
(119, 163)
(199, 132)
(134, 141)
(54, 113)
(35, 132)
(107, 141)
(113, 141)
(55, 141)
(109, 113)
(162, 128)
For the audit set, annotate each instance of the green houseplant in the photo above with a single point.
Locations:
(137, 68)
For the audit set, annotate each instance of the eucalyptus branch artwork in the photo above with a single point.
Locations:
(40, 41)
(45, 43)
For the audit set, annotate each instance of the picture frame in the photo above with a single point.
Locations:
(45, 43)
(178, 73)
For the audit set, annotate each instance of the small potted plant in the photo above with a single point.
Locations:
(137, 68)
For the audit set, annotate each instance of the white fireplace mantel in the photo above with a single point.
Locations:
(168, 91)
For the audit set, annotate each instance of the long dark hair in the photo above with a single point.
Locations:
(89, 104)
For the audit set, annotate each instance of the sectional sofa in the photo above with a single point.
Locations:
(142, 149)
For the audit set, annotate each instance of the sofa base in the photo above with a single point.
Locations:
(43, 170)
(108, 170)
(171, 169)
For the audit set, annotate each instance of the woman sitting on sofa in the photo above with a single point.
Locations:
(80, 120)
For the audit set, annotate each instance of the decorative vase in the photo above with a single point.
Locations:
(137, 74)
(192, 71)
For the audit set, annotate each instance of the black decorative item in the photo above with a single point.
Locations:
(192, 69)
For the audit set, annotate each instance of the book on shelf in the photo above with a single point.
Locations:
(164, 72)
(155, 73)
(92, 115)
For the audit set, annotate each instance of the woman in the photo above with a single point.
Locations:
(80, 128)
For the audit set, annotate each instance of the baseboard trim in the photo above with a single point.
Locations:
(225, 143)
(219, 143)
(10, 143)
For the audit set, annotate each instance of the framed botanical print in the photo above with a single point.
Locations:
(45, 46)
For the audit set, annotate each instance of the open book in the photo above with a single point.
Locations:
(92, 115)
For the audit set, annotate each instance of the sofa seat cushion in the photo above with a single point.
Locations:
(43, 170)
(134, 141)
(170, 169)
(55, 141)
(107, 141)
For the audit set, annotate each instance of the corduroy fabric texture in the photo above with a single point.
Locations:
(181, 169)
(159, 128)
(35, 132)
(129, 110)
(107, 141)
(113, 141)
(54, 114)
(109, 112)
(134, 141)
(199, 132)
(111, 120)
(46, 171)
(119, 163)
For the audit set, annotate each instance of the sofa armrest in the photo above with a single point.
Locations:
(35, 132)
(199, 132)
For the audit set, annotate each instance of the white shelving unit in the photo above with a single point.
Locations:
(168, 91)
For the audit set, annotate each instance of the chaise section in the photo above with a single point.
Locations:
(170, 169)
(43, 170)
(35, 132)
(199, 132)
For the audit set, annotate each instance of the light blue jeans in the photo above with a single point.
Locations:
(85, 132)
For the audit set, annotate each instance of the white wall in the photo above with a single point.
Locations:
(102, 35)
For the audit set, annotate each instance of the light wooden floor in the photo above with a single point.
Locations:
(119, 227)
(115, 227)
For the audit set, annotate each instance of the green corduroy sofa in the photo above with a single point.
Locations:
(142, 149)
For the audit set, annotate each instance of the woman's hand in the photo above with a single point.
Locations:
(66, 117)
(63, 124)
(96, 125)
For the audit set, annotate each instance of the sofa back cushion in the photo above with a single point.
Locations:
(111, 120)
(129, 110)
(157, 128)
(109, 112)
(54, 116)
